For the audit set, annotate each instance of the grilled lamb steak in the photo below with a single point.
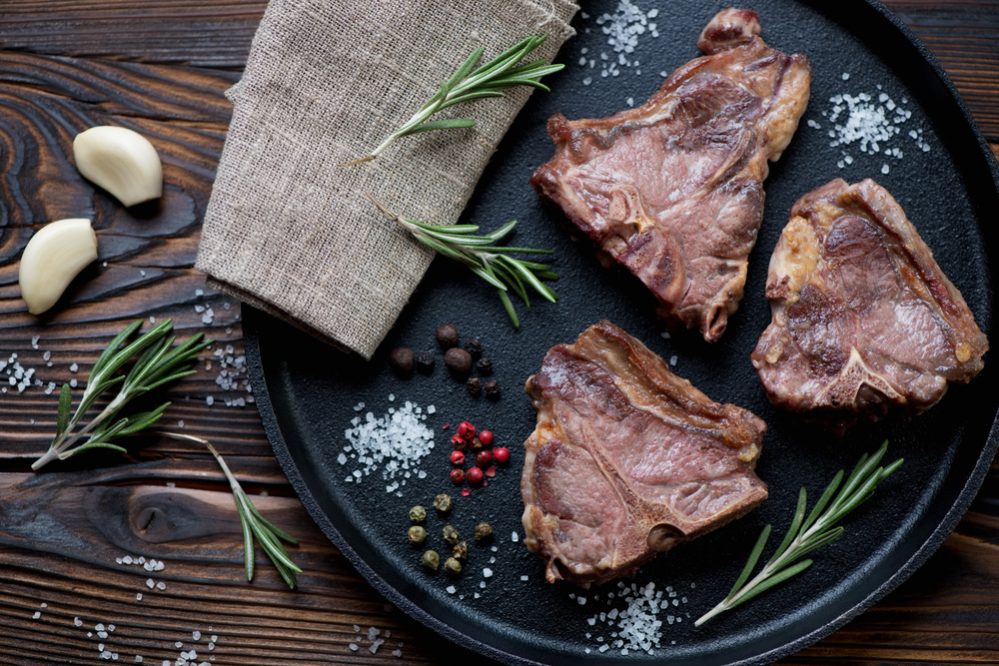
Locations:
(863, 318)
(628, 459)
(673, 189)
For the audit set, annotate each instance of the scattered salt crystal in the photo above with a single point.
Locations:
(487, 573)
(673, 359)
(150, 583)
(36, 615)
(884, 168)
(450, 589)
(161, 585)
(393, 444)
(77, 622)
(845, 76)
(514, 537)
(524, 578)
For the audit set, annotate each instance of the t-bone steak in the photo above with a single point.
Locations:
(673, 189)
(863, 318)
(628, 459)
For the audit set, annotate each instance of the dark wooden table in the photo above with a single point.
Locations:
(160, 67)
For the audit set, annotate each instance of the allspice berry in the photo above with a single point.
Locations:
(401, 359)
(458, 362)
(447, 336)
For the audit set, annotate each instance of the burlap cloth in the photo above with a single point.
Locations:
(287, 229)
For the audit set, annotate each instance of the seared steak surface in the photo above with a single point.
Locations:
(863, 318)
(628, 459)
(673, 189)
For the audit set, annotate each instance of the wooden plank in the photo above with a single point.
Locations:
(161, 66)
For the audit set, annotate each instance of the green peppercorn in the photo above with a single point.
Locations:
(483, 532)
(430, 560)
(443, 503)
(417, 514)
(460, 551)
(452, 566)
(417, 535)
(450, 535)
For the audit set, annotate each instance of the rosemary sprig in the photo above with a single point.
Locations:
(158, 362)
(469, 82)
(255, 526)
(483, 255)
(806, 534)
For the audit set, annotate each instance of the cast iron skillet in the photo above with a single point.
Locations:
(307, 391)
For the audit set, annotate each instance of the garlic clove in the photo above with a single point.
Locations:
(121, 161)
(52, 258)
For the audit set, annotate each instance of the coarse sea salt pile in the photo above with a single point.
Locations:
(636, 626)
(871, 123)
(392, 444)
(623, 28)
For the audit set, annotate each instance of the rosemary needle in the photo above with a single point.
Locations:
(255, 526)
(470, 82)
(158, 362)
(484, 256)
(806, 534)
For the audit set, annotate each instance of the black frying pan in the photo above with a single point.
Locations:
(306, 390)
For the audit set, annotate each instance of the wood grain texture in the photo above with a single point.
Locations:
(161, 67)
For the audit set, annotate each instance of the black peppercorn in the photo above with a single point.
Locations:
(401, 360)
(492, 390)
(474, 386)
(458, 362)
(474, 347)
(425, 362)
(447, 336)
(485, 367)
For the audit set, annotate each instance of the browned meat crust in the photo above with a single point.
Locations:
(628, 459)
(863, 318)
(673, 189)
